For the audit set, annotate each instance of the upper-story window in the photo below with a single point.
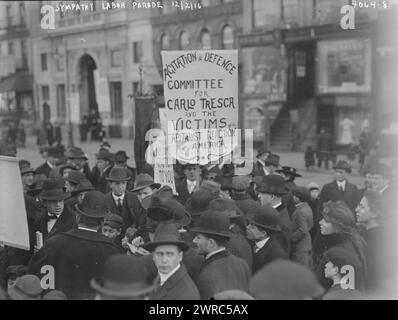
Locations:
(22, 13)
(9, 14)
(227, 37)
(205, 39)
(266, 13)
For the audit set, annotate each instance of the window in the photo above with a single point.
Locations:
(61, 101)
(9, 14)
(184, 40)
(266, 13)
(137, 51)
(227, 37)
(60, 64)
(45, 93)
(115, 58)
(22, 15)
(205, 39)
(24, 54)
(43, 57)
(11, 48)
(164, 42)
(116, 100)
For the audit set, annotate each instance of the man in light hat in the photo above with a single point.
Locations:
(77, 255)
(167, 252)
(123, 278)
(240, 186)
(340, 188)
(381, 175)
(263, 229)
(285, 280)
(120, 201)
(55, 216)
(221, 270)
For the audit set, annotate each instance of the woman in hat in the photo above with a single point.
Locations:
(289, 174)
(338, 230)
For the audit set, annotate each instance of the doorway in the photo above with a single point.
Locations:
(88, 99)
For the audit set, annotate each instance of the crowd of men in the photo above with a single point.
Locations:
(107, 232)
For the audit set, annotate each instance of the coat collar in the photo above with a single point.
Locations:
(174, 279)
(219, 255)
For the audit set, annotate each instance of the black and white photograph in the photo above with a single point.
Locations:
(199, 150)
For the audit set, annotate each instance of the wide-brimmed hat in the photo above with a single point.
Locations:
(121, 156)
(118, 174)
(83, 186)
(289, 171)
(93, 205)
(272, 159)
(272, 184)
(114, 221)
(76, 153)
(228, 206)
(166, 233)
(26, 287)
(381, 169)
(213, 223)
(143, 181)
(199, 201)
(302, 193)
(52, 190)
(212, 186)
(261, 151)
(285, 280)
(344, 165)
(75, 177)
(241, 183)
(104, 154)
(266, 217)
(124, 276)
(26, 170)
(164, 193)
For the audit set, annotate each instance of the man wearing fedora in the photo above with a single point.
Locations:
(263, 229)
(55, 216)
(123, 278)
(101, 170)
(76, 157)
(258, 167)
(340, 188)
(52, 159)
(221, 270)
(189, 183)
(121, 161)
(144, 186)
(120, 201)
(271, 191)
(237, 244)
(78, 254)
(167, 251)
(77, 195)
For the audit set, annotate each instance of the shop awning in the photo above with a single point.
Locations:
(18, 82)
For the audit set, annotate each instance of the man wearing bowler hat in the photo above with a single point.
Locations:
(221, 270)
(120, 201)
(340, 188)
(77, 255)
(167, 252)
(79, 160)
(101, 170)
(55, 216)
(120, 160)
(53, 157)
(190, 183)
(144, 186)
(123, 278)
(271, 191)
(263, 229)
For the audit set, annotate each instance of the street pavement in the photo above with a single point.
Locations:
(294, 159)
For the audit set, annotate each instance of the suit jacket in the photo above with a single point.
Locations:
(271, 251)
(182, 190)
(130, 208)
(258, 169)
(222, 271)
(330, 191)
(76, 256)
(240, 247)
(44, 169)
(302, 223)
(99, 180)
(178, 287)
(65, 222)
(285, 223)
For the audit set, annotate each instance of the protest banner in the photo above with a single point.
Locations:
(164, 174)
(201, 103)
(13, 219)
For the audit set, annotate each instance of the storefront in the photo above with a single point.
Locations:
(343, 87)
